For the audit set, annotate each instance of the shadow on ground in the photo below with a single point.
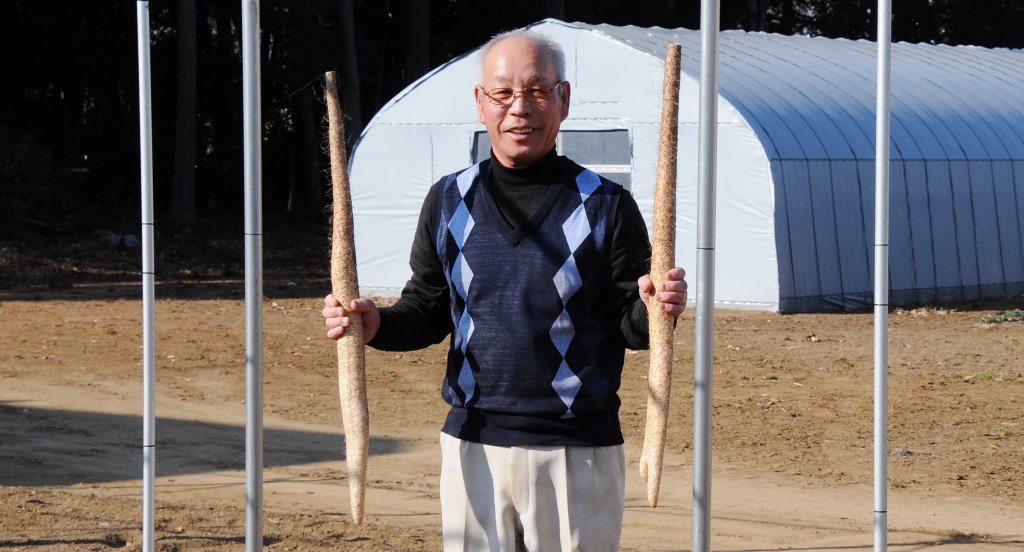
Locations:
(224, 288)
(41, 447)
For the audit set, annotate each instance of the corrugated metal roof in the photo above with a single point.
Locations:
(814, 98)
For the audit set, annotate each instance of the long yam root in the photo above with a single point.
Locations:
(345, 287)
(662, 324)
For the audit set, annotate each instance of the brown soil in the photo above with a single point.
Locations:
(792, 455)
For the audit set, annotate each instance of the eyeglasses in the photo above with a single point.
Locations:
(505, 97)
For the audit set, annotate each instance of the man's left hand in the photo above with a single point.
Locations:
(672, 294)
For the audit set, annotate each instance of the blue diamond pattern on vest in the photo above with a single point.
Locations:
(568, 280)
(465, 178)
(462, 276)
(460, 226)
(562, 332)
(467, 382)
(587, 182)
(576, 228)
(463, 334)
(466, 327)
(567, 385)
(464, 331)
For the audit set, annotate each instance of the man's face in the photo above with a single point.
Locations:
(524, 131)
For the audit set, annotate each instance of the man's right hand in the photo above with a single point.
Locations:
(337, 320)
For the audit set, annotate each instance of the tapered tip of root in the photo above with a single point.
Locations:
(357, 502)
(652, 493)
(358, 509)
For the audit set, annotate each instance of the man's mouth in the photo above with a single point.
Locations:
(520, 131)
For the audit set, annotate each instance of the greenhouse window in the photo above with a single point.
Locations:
(606, 152)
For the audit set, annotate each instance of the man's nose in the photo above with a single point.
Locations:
(519, 103)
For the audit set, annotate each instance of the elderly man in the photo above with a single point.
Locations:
(537, 268)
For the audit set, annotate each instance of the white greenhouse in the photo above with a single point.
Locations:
(795, 210)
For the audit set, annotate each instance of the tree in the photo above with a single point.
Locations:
(72, 103)
(183, 199)
(417, 43)
(555, 9)
(757, 11)
(350, 74)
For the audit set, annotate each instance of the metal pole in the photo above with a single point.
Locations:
(253, 276)
(881, 376)
(707, 160)
(148, 318)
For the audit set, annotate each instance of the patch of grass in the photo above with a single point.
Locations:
(1003, 431)
(985, 376)
(1011, 316)
(845, 364)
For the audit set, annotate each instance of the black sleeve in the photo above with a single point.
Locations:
(630, 258)
(421, 317)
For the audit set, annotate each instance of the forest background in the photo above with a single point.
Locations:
(69, 161)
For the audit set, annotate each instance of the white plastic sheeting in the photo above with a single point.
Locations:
(795, 164)
(427, 131)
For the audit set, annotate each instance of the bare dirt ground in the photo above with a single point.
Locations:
(792, 456)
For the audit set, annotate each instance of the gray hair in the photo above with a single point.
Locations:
(550, 47)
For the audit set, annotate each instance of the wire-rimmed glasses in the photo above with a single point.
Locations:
(505, 97)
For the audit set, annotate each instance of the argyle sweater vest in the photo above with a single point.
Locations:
(534, 358)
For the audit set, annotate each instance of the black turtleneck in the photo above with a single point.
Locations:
(422, 315)
(518, 192)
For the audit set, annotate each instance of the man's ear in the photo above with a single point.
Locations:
(565, 93)
(478, 97)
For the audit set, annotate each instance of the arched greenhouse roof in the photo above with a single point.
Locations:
(796, 162)
(813, 98)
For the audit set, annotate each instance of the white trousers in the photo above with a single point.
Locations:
(535, 499)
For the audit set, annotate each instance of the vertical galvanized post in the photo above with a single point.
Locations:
(253, 275)
(148, 284)
(704, 341)
(881, 376)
